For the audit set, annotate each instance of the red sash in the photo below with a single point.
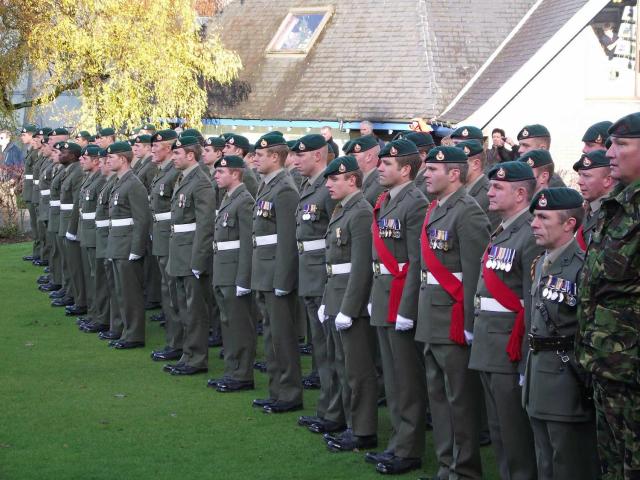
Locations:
(509, 300)
(389, 261)
(580, 238)
(447, 281)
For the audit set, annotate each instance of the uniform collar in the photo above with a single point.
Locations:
(267, 178)
(552, 255)
(398, 188)
(190, 169)
(346, 199)
(507, 223)
(473, 184)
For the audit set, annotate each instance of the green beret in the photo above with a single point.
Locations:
(309, 143)
(146, 139)
(91, 151)
(70, 146)
(164, 135)
(29, 128)
(226, 135)
(341, 165)
(536, 158)
(446, 155)
(626, 127)
(83, 134)
(135, 131)
(607, 143)
(44, 139)
(347, 147)
(513, 171)
(119, 147)
(106, 132)
(230, 161)
(191, 132)
(59, 131)
(398, 148)
(148, 126)
(421, 139)
(597, 133)
(57, 145)
(533, 131)
(595, 159)
(131, 141)
(185, 142)
(291, 143)
(103, 152)
(44, 131)
(559, 198)
(218, 142)
(270, 139)
(239, 141)
(471, 147)
(362, 144)
(468, 133)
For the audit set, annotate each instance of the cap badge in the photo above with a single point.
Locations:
(301, 146)
(440, 155)
(357, 147)
(467, 150)
(208, 142)
(542, 201)
(231, 141)
(158, 137)
(109, 150)
(586, 162)
(599, 139)
(525, 132)
(263, 143)
(66, 145)
(178, 144)
(393, 151)
(342, 168)
(223, 162)
(530, 162)
(465, 133)
(501, 173)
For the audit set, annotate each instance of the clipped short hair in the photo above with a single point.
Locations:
(463, 167)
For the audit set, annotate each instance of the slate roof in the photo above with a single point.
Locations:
(376, 59)
(541, 26)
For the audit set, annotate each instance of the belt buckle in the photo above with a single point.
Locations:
(215, 246)
(300, 247)
(476, 302)
(253, 239)
(329, 269)
(376, 268)
(423, 276)
(173, 230)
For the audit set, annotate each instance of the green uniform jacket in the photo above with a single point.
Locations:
(146, 170)
(234, 222)
(128, 200)
(70, 195)
(54, 197)
(44, 184)
(193, 201)
(35, 193)
(408, 208)
(492, 329)
(249, 179)
(552, 390)
(420, 181)
(27, 184)
(479, 193)
(371, 188)
(89, 191)
(468, 233)
(160, 199)
(312, 218)
(276, 266)
(589, 225)
(102, 214)
(555, 181)
(607, 343)
(297, 178)
(349, 241)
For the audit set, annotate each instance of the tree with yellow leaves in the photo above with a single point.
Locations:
(128, 61)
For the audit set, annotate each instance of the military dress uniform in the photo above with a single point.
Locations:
(232, 250)
(454, 237)
(129, 217)
(499, 350)
(478, 190)
(190, 260)
(27, 194)
(43, 191)
(59, 276)
(371, 188)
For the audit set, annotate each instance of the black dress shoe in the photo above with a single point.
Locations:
(112, 343)
(152, 305)
(213, 382)
(327, 426)
(259, 329)
(83, 321)
(332, 437)
(282, 407)
(397, 465)
(49, 287)
(109, 335)
(311, 382)
(62, 302)
(260, 366)
(128, 345)
(170, 366)
(40, 263)
(232, 385)
(355, 442)
(75, 311)
(221, 354)
(485, 438)
(46, 270)
(378, 457)
(94, 328)
(215, 341)
(263, 402)
(60, 293)
(30, 258)
(188, 370)
(308, 420)
(305, 349)
(42, 279)
(167, 354)
(157, 317)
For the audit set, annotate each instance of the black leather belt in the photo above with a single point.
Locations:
(562, 343)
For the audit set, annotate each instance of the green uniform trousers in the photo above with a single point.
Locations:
(116, 322)
(101, 311)
(89, 278)
(66, 274)
(173, 327)
(128, 276)
(192, 312)
(339, 406)
(55, 259)
(152, 277)
(45, 247)
(325, 370)
(73, 263)
(33, 221)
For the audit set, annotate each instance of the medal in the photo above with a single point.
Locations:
(306, 216)
(115, 198)
(224, 219)
(338, 234)
(162, 189)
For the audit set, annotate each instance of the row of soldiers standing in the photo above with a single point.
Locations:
(424, 289)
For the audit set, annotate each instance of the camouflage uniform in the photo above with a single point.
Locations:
(607, 342)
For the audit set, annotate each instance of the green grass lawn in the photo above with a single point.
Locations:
(72, 408)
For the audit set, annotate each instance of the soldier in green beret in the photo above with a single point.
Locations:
(543, 167)
(562, 419)
(467, 132)
(213, 151)
(596, 136)
(503, 312)
(45, 170)
(26, 137)
(453, 238)
(147, 129)
(239, 145)
(39, 142)
(537, 137)
(274, 274)
(105, 137)
(366, 149)
(424, 142)
(607, 342)
(344, 305)
(83, 138)
(290, 165)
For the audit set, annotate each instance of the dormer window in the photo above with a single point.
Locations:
(299, 30)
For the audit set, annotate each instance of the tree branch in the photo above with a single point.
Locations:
(46, 98)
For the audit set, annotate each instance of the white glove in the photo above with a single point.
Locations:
(241, 291)
(321, 316)
(468, 336)
(196, 273)
(71, 236)
(133, 256)
(343, 322)
(369, 308)
(280, 293)
(521, 382)
(403, 324)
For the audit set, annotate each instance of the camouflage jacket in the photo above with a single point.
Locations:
(608, 342)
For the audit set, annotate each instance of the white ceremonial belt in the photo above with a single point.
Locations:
(266, 240)
(89, 215)
(488, 304)
(102, 223)
(36, 182)
(159, 217)
(66, 206)
(54, 203)
(431, 280)
(120, 222)
(183, 227)
(312, 245)
(230, 245)
(45, 193)
(338, 268)
(380, 269)
(28, 177)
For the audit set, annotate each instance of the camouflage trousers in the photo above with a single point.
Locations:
(618, 427)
